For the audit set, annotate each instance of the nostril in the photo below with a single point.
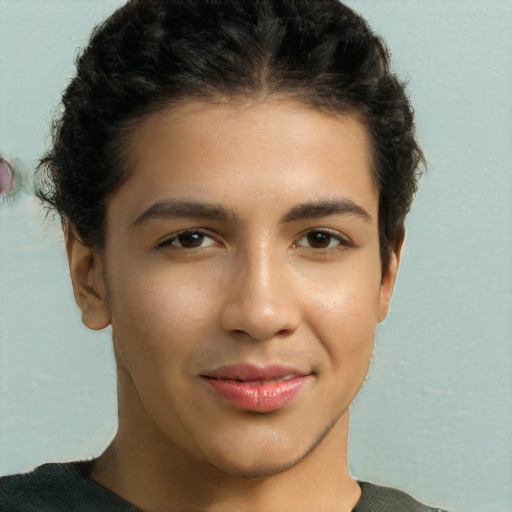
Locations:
(244, 317)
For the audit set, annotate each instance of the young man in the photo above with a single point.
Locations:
(233, 179)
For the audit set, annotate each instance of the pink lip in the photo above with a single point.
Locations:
(260, 389)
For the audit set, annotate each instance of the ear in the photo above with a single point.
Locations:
(387, 284)
(87, 276)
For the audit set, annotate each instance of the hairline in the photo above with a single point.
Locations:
(122, 142)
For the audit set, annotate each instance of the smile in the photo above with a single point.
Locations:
(256, 389)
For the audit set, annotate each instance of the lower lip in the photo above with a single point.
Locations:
(258, 396)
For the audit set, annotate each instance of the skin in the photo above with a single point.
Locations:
(264, 285)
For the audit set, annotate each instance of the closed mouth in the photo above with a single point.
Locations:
(255, 381)
(254, 374)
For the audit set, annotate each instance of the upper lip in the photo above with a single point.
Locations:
(247, 372)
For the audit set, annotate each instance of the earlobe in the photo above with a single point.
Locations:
(387, 284)
(87, 276)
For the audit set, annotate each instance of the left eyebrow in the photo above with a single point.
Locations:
(325, 208)
(171, 208)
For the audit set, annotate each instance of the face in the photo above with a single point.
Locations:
(243, 280)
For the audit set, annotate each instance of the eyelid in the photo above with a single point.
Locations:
(344, 241)
(171, 237)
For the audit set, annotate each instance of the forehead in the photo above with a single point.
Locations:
(248, 155)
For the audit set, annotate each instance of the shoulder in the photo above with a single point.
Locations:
(375, 498)
(57, 487)
(45, 486)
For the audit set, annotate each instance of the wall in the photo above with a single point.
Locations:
(435, 417)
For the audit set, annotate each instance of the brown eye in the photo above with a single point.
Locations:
(319, 239)
(188, 240)
(322, 239)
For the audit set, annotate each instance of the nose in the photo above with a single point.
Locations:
(261, 300)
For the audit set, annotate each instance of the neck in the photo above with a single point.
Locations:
(142, 466)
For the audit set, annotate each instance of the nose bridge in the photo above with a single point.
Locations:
(261, 302)
(260, 265)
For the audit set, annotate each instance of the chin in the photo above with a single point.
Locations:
(257, 469)
(260, 463)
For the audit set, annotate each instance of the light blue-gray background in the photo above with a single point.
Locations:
(435, 417)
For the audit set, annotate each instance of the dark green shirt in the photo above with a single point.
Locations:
(67, 488)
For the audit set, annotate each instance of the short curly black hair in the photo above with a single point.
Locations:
(151, 54)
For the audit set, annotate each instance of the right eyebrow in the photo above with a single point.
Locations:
(175, 208)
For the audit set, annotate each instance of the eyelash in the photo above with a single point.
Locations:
(342, 242)
(168, 242)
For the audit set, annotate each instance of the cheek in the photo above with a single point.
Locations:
(347, 327)
(158, 317)
(344, 312)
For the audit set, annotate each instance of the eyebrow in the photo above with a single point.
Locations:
(324, 208)
(174, 208)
